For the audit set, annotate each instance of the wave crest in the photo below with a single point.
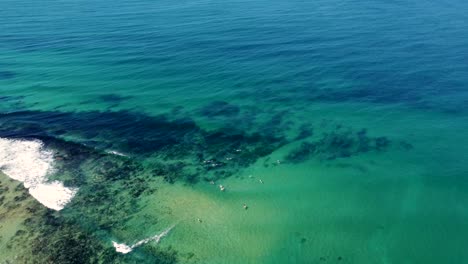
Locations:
(124, 249)
(29, 162)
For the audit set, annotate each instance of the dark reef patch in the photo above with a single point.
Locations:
(406, 145)
(112, 186)
(6, 75)
(381, 86)
(340, 143)
(12, 101)
(189, 152)
(104, 181)
(52, 238)
(123, 130)
(8, 98)
(419, 93)
(305, 131)
(64, 242)
(219, 109)
(277, 124)
(80, 232)
(113, 99)
(214, 155)
(365, 94)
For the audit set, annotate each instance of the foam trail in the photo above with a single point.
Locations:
(124, 249)
(29, 162)
(113, 152)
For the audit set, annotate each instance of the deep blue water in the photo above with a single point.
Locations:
(384, 52)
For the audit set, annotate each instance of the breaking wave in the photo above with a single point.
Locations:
(124, 249)
(29, 162)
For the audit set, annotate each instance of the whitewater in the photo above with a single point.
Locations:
(29, 162)
(124, 248)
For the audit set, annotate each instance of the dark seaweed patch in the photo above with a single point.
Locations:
(6, 98)
(50, 238)
(127, 131)
(102, 179)
(276, 125)
(215, 155)
(406, 146)
(109, 180)
(79, 233)
(357, 167)
(377, 87)
(219, 109)
(223, 152)
(177, 110)
(70, 156)
(338, 144)
(363, 94)
(66, 243)
(171, 172)
(112, 187)
(113, 99)
(305, 131)
(16, 101)
(162, 256)
(302, 153)
(414, 93)
(5, 75)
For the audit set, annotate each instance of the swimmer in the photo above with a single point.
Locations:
(245, 206)
(221, 188)
(212, 182)
(260, 181)
(199, 220)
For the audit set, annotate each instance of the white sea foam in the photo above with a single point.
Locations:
(124, 249)
(113, 152)
(53, 195)
(29, 162)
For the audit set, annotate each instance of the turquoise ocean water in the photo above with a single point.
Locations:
(341, 125)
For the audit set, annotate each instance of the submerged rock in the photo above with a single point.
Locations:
(219, 108)
(338, 144)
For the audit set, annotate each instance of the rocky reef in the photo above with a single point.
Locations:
(340, 143)
(109, 188)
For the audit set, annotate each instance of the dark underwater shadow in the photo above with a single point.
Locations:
(223, 152)
(110, 185)
(6, 75)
